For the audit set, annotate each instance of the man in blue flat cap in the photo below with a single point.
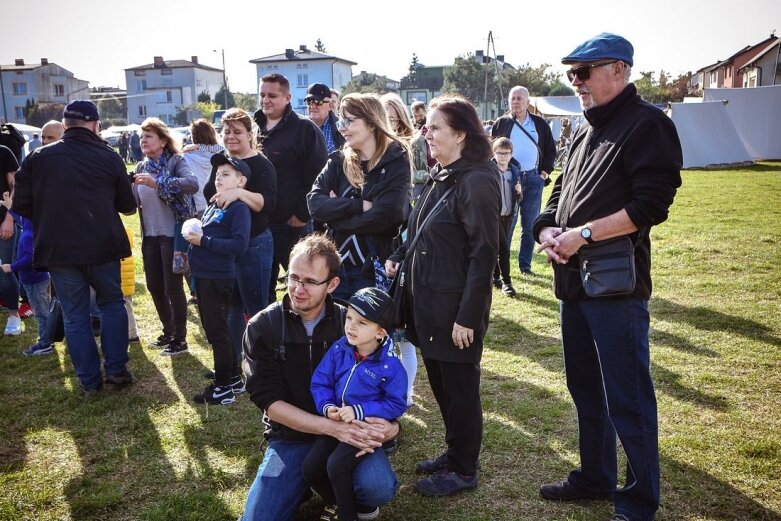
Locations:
(72, 190)
(622, 176)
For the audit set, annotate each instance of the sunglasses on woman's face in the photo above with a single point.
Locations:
(584, 71)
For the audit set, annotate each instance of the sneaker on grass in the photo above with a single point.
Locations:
(445, 483)
(237, 384)
(13, 327)
(161, 342)
(38, 349)
(174, 348)
(215, 395)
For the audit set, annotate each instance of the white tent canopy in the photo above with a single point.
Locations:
(548, 106)
(707, 135)
(756, 115)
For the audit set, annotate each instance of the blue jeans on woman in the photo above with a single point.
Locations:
(279, 487)
(529, 209)
(40, 300)
(250, 294)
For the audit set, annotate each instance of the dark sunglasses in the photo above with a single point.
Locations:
(584, 71)
(317, 102)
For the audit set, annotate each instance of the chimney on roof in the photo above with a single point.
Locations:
(194, 59)
(303, 48)
(159, 62)
(44, 61)
(19, 61)
(289, 54)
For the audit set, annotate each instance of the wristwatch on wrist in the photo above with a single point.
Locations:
(585, 232)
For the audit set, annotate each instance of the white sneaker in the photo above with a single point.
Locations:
(13, 327)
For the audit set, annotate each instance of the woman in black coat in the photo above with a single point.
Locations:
(362, 192)
(448, 283)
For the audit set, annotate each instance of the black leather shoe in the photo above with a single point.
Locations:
(566, 491)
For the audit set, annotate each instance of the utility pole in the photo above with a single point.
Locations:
(224, 82)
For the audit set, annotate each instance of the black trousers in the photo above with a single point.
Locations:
(165, 286)
(502, 268)
(456, 387)
(214, 296)
(285, 237)
(328, 468)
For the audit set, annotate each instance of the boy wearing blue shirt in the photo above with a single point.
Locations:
(359, 376)
(225, 234)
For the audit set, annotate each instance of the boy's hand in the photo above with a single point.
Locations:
(347, 414)
(194, 238)
(333, 413)
(7, 201)
(6, 268)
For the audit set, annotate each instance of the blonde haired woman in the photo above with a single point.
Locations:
(402, 125)
(362, 192)
(163, 184)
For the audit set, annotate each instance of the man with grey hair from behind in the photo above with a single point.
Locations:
(72, 190)
(623, 173)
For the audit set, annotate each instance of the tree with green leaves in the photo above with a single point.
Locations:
(320, 46)
(247, 101)
(220, 98)
(468, 77)
(186, 113)
(365, 83)
(411, 79)
(204, 97)
(539, 80)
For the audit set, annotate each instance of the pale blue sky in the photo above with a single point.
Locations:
(97, 40)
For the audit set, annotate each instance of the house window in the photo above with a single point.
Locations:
(714, 79)
(19, 88)
(142, 110)
(59, 90)
(166, 72)
(303, 80)
(19, 112)
(139, 73)
(300, 102)
(169, 96)
(140, 85)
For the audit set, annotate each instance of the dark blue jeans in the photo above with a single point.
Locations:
(529, 208)
(250, 294)
(279, 486)
(72, 285)
(607, 361)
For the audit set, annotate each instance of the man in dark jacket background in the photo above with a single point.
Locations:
(73, 190)
(296, 148)
(318, 103)
(535, 151)
(621, 180)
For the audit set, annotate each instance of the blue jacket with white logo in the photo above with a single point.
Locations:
(375, 387)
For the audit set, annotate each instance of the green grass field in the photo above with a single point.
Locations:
(150, 453)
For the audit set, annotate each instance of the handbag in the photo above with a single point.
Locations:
(396, 289)
(607, 268)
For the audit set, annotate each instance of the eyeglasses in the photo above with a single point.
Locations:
(344, 122)
(318, 102)
(306, 285)
(584, 71)
(503, 154)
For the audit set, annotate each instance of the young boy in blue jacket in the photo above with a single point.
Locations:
(360, 376)
(36, 283)
(225, 234)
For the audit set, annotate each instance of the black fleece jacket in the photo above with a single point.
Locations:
(296, 148)
(626, 155)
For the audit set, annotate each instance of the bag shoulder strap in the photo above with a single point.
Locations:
(277, 318)
(434, 210)
(539, 150)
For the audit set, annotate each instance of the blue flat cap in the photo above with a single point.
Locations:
(81, 109)
(604, 46)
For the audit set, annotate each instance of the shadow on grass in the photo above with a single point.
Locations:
(680, 343)
(709, 319)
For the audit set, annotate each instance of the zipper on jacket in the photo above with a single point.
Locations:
(349, 377)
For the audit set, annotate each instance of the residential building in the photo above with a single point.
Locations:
(732, 66)
(368, 78)
(764, 68)
(158, 89)
(42, 83)
(302, 68)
